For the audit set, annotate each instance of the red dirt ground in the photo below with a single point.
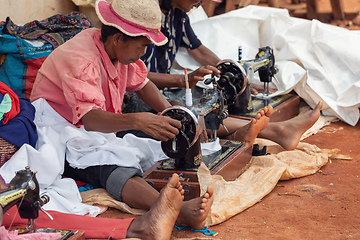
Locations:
(321, 206)
(328, 209)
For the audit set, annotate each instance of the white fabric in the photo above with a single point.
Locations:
(57, 138)
(210, 147)
(47, 160)
(319, 61)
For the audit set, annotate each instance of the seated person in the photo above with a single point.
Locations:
(82, 84)
(159, 59)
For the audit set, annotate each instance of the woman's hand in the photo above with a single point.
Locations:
(198, 74)
(159, 127)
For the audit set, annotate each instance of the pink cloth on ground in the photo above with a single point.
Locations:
(13, 235)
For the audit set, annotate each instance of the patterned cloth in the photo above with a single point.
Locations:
(7, 150)
(20, 60)
(55, 30)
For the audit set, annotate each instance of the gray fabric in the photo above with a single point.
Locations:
(117, 179)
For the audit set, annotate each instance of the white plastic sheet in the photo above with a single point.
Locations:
(316, 60)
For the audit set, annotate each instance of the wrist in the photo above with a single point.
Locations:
(180, 80)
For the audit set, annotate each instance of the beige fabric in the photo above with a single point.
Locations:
(99, 196)
(261, 177)
(254, 184)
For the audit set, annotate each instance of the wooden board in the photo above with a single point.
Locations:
(230, 164)
(285, 107)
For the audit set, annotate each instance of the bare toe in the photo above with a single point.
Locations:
(159, 221)
(195, 211)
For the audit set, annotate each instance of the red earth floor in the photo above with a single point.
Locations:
(324, 205)
(326, 209)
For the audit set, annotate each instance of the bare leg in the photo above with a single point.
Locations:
(136, 190)
(193, 213)
(248, 132)
(159, 221)
(288, 133)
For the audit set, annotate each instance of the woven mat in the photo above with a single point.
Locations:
(6, 151)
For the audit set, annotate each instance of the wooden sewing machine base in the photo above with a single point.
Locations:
(285, 107)
(230, 162)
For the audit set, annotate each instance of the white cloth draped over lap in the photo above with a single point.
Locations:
(57, 138)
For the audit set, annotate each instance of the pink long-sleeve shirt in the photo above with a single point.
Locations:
(79, 76)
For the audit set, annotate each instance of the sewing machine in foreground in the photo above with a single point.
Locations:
(23, 191)
(230, 95)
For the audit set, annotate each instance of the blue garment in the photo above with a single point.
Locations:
(179, 33)
(21, 129)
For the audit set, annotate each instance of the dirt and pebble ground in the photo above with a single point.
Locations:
(325, 205)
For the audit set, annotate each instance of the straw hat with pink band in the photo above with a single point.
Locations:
(133, 18)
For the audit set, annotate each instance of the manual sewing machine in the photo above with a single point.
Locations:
(246, 105)
(23, 191)
(230, 96)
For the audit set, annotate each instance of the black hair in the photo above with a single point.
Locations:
(166, 5)
(107, 31)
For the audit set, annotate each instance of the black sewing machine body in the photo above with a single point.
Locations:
(185, 147)
(23, 191)
(23, 188)
(264, 65)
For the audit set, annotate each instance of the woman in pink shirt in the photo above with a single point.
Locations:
(84, 81)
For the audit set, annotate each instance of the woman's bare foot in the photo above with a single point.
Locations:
(159, 221)
(288, 133)
(195, 211)
(250, 131)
